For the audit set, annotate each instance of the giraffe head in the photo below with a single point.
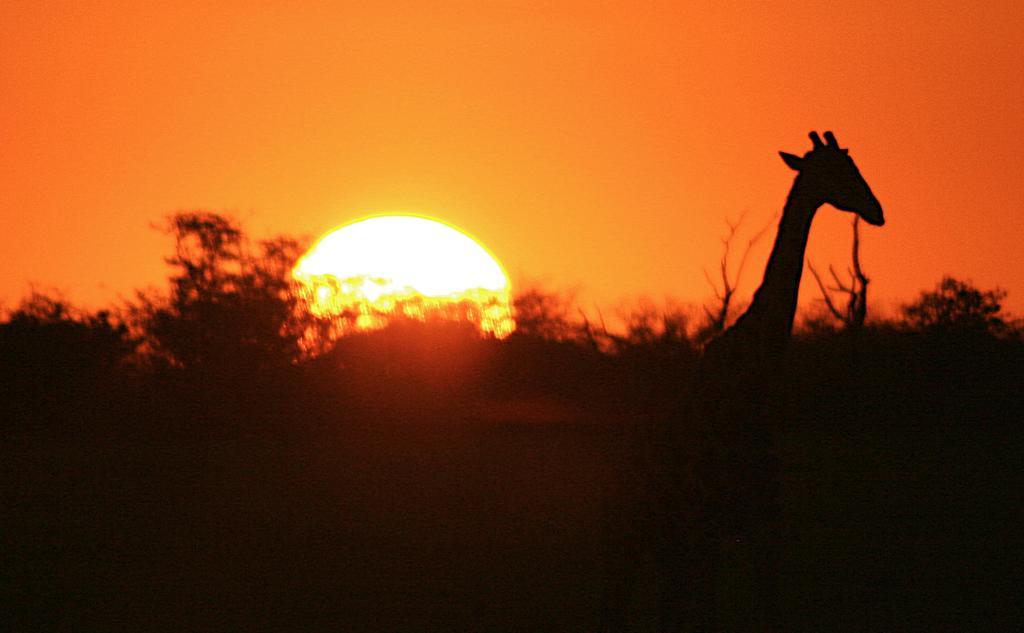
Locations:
(828, 173)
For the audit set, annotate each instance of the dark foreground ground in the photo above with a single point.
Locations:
(154, 505)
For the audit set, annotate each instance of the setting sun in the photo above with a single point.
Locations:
(404, 265)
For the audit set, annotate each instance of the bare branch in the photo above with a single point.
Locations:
(725, 289)
(711, 283)
(826, 293)
(855, 314)
(750, 244)
(839, 287)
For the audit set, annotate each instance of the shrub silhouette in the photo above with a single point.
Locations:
(46, 334)
(422, 477)
(542, 314)
(52, 354)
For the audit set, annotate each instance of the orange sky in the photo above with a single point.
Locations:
(591, 144)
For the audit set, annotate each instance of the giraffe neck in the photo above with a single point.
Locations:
(774, 302)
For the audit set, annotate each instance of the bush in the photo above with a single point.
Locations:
(958, 307)
(230, 304)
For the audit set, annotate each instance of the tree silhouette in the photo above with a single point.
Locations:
(958, 307)
(853, 313)
(229, 303)
(719, 314)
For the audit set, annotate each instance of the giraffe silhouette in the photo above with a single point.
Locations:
(733, 536)
(713, 506)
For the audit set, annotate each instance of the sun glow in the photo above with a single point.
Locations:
(372, 270)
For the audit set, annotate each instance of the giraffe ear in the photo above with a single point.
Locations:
(793, 161)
